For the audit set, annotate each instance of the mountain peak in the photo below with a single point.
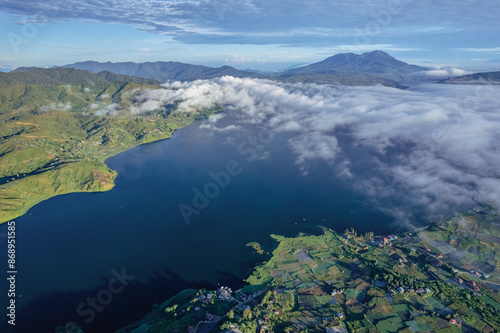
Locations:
(377, 62)
(377, 54)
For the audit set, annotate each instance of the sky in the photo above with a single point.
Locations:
(259, 34)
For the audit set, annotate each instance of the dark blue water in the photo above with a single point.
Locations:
(69, 246)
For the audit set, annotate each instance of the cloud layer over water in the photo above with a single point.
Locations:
(432, 149)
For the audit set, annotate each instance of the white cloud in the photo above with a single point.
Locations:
(480, 50)
(216, 117)
(220, 129)
(56, 107)
(213, 119)
(110, 109)
(440, 72)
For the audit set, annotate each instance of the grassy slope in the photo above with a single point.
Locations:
(46, 152)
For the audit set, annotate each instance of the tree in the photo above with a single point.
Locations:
(230, 314)
(227, 325)
(171, 309)
(247, 314)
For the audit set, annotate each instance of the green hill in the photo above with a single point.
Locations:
(60, 76)
(57, 126)
(162, 71)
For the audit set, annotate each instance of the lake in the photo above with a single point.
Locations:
(72, 248)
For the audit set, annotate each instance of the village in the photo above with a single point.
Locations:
(443, 278)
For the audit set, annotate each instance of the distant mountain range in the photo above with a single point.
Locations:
(60, 76)
(477, 78)
(369, 68)
(162, 71)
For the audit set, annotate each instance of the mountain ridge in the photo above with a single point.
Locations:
(369, 68)
(60, 76)
(476, 78)
(161, 70)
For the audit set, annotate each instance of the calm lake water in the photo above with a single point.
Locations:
(69, 246)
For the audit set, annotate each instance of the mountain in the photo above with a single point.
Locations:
(371, 68)
(60, 76)
(23, 69)
(376, 62)
(162, 71)
(33, 89)
(294, 67)
(477, 78)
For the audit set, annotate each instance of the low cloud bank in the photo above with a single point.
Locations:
(433, 149)
(441, 73)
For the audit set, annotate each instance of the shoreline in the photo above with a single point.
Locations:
(379, 266)
(107, 187)
(91, 173)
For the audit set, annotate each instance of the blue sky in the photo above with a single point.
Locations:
(258, 34)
